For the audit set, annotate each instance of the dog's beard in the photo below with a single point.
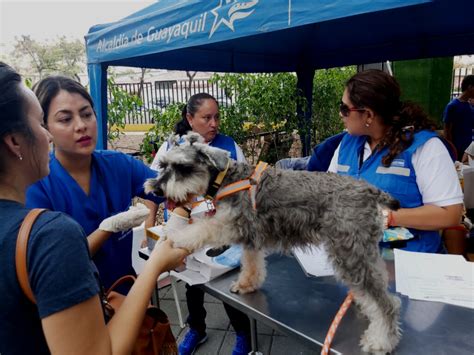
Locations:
(182, 192)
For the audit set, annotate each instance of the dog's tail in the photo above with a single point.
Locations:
(386, 200)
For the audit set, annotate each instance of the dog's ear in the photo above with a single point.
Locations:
(193, 137)
(217, 157)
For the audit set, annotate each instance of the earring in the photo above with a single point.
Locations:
(20, 157)
(367, 124)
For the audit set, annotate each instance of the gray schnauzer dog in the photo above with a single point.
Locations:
(293, 209)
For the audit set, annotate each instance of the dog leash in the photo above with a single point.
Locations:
(247, 184)
(335, 323)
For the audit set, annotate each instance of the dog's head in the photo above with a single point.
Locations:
(187, 169)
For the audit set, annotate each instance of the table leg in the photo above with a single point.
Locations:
(253, 337)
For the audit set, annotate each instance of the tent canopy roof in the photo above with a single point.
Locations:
(274, 36)
(282, 35)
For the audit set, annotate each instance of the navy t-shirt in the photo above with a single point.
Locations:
(461, 115)
(60, 271)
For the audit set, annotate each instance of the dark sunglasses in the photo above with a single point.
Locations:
(346, 110)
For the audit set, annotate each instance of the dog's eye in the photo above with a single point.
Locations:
(184, 169)
(163, 165)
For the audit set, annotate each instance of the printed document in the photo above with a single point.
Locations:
(435, 277)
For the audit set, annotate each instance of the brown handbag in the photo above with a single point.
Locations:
(155, 335)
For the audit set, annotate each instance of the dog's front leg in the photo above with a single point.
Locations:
(252, 271)
(194, 236)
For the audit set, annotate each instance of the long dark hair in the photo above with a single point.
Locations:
(380, 92)
(48, 88)
(13, 116)
(193, 105)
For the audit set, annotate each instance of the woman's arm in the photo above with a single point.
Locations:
(150, 221)
(428, 217)
(439, 186)
(81, 329)
(448, 131)
(125, 324)
(96, 239)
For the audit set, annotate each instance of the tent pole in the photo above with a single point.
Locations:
(304, 112)
(98, 91)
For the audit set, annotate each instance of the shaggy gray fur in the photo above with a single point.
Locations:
(294, 209)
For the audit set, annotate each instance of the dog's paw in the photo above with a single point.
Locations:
(237, 287)
(181, 243)
(376, 346)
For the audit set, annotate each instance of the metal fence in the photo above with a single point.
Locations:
(458, 76)
(156, 96)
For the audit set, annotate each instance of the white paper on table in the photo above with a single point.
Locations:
(435, 277)
(314, 261)
(201, 268)
(190, 277)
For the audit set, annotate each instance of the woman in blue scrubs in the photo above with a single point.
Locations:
(88, 184)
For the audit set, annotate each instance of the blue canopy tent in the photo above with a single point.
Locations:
(275, 36)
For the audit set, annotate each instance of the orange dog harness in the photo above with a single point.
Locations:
(249, 184)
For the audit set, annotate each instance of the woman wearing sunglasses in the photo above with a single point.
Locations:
(393, 145)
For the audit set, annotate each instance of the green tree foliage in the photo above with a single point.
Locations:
(328, 87)
(120, 104)
(261, 103)
(72, 57)
(265, 104)
(159, 133)
(33, 58)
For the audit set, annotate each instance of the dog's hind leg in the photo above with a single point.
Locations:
(364, 271)
(381, 308)
(252, 271)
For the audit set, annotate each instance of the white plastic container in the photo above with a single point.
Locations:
(468, 176)
(153, 235)
(175, 223)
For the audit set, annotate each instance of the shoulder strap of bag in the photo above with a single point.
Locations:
(20, 253)
(126, 278)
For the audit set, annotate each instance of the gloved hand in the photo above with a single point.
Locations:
(125, 220)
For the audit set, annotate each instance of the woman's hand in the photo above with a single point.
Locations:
(167, 256)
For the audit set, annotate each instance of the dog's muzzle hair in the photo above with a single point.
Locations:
(293, 209)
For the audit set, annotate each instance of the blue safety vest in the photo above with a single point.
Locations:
(225, 142)
(399, 179)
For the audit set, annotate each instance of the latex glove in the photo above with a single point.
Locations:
(125, 220)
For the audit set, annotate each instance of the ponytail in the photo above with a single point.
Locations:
(182, 127)
(410, 119)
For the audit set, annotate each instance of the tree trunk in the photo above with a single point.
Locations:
(190, 82)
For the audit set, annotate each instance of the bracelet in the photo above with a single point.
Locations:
(390, 219)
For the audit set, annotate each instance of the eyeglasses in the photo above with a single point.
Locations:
(346, 110)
